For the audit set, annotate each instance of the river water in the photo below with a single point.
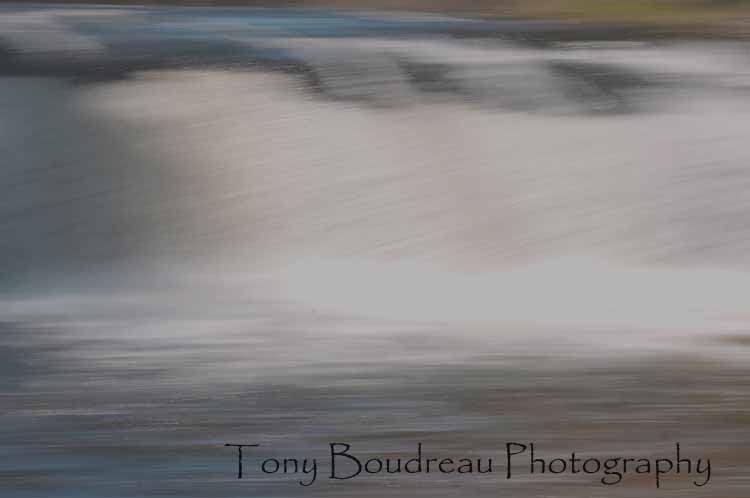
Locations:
(294, 227)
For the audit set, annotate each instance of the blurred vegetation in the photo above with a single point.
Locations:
(641, 10)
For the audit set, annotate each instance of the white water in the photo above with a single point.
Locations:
(623, 228)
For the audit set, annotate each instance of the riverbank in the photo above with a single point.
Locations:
(729, 18)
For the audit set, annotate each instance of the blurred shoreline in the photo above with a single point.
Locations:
(729, 19)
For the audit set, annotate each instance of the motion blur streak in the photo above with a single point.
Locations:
(222, 224)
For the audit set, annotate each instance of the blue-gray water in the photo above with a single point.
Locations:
(298, 227)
